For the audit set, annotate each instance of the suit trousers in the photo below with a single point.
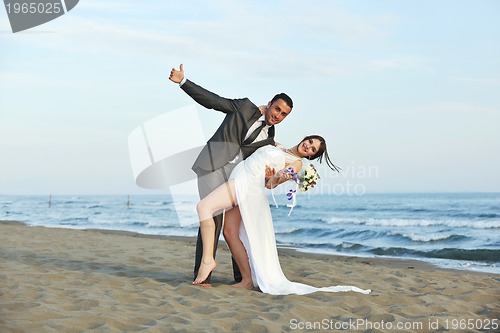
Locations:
(206, 184)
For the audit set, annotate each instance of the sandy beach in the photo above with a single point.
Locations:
(62, 280)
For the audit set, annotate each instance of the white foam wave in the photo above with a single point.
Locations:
(282, 229)
(415, 223)
(416, 237)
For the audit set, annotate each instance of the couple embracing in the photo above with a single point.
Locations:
(239, 161)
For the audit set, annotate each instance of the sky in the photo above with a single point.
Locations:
(406, 93)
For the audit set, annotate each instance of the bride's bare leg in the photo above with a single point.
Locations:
(232, 221)
(207, 228)
(222, 197)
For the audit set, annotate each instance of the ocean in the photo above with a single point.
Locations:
(452, 230)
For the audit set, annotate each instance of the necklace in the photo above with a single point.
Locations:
(289, 151)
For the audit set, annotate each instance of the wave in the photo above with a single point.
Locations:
(342, 247)
(96, 206)
(475, 255)
(482, 255)
(429, 238)
(284, 230)
(415, 223)
(488, 216)
(311, 234)
(156, 203)
(391, 237)
(74, 221)
(474, 216)
(306, 232)
(462, 254)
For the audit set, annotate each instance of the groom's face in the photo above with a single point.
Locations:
(276, 112)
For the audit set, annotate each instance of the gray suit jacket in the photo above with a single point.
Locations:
(227, 141)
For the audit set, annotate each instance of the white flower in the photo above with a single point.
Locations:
(308, 178)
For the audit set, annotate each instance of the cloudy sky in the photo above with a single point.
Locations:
(407, 93)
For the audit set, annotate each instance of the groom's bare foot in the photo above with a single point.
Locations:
(244, 284)
(205, 269)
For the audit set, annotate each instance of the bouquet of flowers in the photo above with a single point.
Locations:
(308, 179)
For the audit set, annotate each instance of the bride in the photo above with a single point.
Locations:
(248, 226)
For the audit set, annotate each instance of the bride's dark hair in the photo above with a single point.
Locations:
(322, 152)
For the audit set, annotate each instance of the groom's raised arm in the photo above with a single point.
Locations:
(202, 96)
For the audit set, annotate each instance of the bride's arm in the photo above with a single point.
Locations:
(283, 175)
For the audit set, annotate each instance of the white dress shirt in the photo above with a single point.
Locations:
(263, 133)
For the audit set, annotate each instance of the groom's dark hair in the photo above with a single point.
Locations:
(285, 99)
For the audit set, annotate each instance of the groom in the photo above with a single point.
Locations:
(245, 128)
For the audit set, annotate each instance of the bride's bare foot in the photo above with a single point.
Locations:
(204, 271)
(244, 284)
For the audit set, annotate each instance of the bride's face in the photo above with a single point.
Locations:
(308, 147)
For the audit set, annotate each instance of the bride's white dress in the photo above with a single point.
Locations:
(257, 231)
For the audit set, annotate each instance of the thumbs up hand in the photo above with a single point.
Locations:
(177, 75)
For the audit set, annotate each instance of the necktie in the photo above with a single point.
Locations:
(254, 134)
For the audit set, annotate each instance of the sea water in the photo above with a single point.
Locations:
(454, 230)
